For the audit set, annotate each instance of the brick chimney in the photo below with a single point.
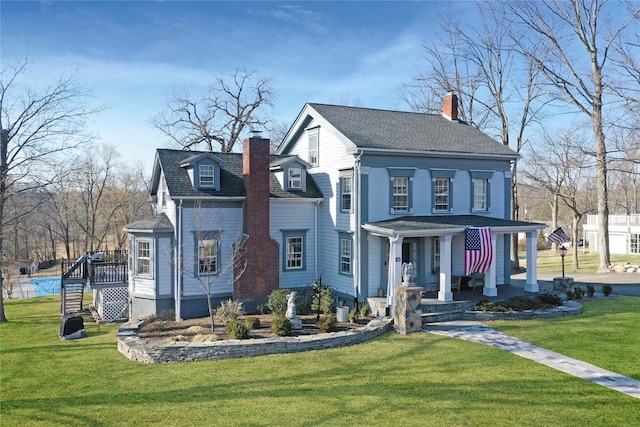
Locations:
(450, 110)
(260, 252)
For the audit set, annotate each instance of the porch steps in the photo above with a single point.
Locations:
(72, 294)
(438, 311)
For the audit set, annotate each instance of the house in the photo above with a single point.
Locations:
(351, 195)
(624, 234)
(19, 267)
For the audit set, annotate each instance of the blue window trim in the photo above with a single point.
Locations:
(206, 235)
(346, 236)
(486, 175)
(294, 233)
(445, 174)
(401, 173)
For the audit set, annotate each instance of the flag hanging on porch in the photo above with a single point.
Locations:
(558, 236)
(478, 251)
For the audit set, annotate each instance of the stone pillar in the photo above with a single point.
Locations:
(562, 284)
(407, 315)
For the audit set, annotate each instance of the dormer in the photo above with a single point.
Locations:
(204, 171)
(291, 173)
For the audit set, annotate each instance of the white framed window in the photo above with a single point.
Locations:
(480, 186)
(295, 178)
(143, 258)
(206, 175)
(294, 253)
(346, 190)
(635, 244)
(313, 146)
(207, 256)
(345, 253)
(400, 196)
(441, 187)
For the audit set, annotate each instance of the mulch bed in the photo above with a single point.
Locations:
(166, 330)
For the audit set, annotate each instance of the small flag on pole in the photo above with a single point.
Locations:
(478, 251)
(558, 236)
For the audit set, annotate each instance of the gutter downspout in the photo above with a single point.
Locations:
(178, 264)
(315, 240)
(357, 232)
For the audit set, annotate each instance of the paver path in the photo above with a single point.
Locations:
(481, 334)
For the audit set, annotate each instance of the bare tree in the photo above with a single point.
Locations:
(231, 106)
(36, 125)
(560, 165)
(569, 29)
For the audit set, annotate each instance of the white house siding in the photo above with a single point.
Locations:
(289, 216)
(621, 228)
(224, 219)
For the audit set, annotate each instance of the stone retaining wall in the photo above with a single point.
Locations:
(132, 346)
(568, 308)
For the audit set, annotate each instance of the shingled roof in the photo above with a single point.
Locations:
(231, 181)
(400, 130)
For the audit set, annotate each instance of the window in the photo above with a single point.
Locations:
(313, 147)
(295, 178)
(143, 255)
(480, 194)
(400, 194)
(206, 176)
(345, 254)
(436, 254)
(207, 256)
(346, 188)
(294, 253)
(441, 194)
(635, 244)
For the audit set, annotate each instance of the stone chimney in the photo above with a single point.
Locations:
(450, 109)
(259, 251)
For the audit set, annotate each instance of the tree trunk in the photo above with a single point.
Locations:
(601, 184)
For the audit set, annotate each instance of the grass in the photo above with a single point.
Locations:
(419, 379)
(550, 262)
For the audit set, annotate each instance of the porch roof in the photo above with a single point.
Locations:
(438, 225)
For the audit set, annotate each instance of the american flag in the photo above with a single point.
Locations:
(558, 236)
(478, 251)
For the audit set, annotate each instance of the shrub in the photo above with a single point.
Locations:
(520, 304)
(252, 322)
(154, 326)
(570, 294)
(354, 315)
(204, 338)
(229, 311)
(167, 315)
(591, 290)
(551, 299)
(364, 310)
(236, 330)
(578, 292)
(198, 330)
(327, 323)
(606, 290)
(323, 300)
(281, 326)
(278, 301)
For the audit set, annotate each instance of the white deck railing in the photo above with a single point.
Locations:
(627, 220)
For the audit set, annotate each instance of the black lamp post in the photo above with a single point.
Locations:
(563, 253)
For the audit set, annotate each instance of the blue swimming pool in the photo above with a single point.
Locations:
(49, 286)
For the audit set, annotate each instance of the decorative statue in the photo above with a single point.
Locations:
(291, 306)
(408, 273)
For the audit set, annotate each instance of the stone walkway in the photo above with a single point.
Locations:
(481, 334)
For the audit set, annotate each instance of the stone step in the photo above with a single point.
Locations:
(443, 316)
(437, 307)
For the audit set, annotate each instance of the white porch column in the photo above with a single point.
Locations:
(445, 294)
(394, 273)
(490, 288)
(531, 284)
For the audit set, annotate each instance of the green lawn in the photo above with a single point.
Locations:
(419, 379)
(550, 262)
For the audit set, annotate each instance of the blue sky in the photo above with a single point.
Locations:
(132, 55)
